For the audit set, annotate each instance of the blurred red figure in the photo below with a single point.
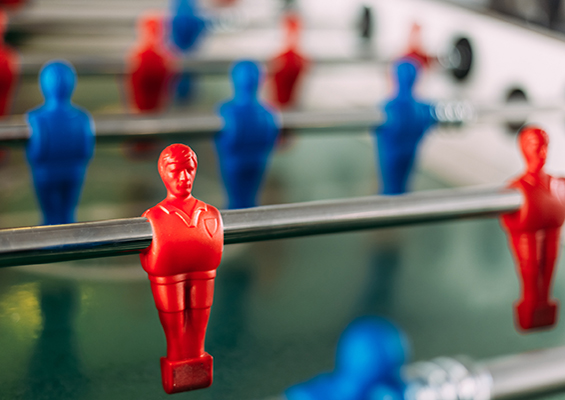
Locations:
(415, 48)
(534, 231)
(286, 69)
(12, 4)
(149, 67)
(181, 263)
(9, 69)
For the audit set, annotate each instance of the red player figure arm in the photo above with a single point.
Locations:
(181, 263)
(415, 50)
(150, 67)
(534, 231)
(9, 70)
(286, 70)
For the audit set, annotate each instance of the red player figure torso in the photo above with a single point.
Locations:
(543, 206)
(286, 71)
(187, 242)
(9, 75)
(149, 79)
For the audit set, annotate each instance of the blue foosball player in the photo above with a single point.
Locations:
(407, 120)
(247, 139)
(186, 26)
(369, 356)
(60, 146)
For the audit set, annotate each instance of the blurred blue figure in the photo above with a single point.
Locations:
(369, 356)
(186, 25)
(185, 87)
(60, 146)
(247, 138)
(407, 120)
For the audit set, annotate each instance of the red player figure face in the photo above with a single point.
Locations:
(177, 167)
(533, 142)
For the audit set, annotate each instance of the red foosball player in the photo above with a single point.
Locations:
(181, 263)
(9, 69)
(150, 67)
(534, 231)
(286, 69)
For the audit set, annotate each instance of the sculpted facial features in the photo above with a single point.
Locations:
(177, 167)
(533, 142)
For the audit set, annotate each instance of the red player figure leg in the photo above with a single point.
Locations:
(184, 310)
(526, 250)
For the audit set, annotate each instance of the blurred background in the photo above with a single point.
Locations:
(89, 329)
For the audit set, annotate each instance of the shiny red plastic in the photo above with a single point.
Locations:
(286, 69)
(181, 263)
(150, 67)
(415, 50)
(534, 231)
(9, 70)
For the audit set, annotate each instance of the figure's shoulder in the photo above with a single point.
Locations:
(208, 209)
(156, 211)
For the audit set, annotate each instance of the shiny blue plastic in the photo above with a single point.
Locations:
(186, 26)
(60, 146)
(369, 356)
(407, 120)
(247, 138)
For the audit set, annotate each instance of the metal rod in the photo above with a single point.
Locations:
(35, 245)
(121, 127)
(202, 65)
(529, 374)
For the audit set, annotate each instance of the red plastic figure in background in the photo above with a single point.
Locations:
(415, 50)
(181, 263)
(534, 231)
(150, 67)
(9, 69)
(286, 69)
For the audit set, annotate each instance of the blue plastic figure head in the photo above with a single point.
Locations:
(370, 349)
(406, 75)
(57, 81)
(186, 25)
(369, 356)
(245, 77)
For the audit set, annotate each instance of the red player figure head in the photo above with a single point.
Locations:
(415, 50)
(292, 26)
(533, 143)
(177, 167)
(150, 29)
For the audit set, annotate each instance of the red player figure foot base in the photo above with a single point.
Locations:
(184, 375)
(531, 316)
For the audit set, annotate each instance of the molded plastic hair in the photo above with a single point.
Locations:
(245, 77)
(57, 80)
(176, 153)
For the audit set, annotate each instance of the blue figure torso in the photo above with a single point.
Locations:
(59, 149)
(370, 353)
(246, 140)
(186, 26)
(407, 120)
